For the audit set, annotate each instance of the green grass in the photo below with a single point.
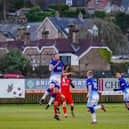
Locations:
(36, 117)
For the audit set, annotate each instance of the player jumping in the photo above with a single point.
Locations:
(55, 67)
(65, 90)
(93, 96)
(124, 88)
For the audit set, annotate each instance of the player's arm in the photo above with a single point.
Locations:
(117, 89)
(72, 84)
(122, 84)
(89, 90)
(52, 67)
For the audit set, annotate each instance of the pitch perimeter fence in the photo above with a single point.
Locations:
(30, 90)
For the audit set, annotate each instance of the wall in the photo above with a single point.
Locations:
(93, 61)
(78, 98)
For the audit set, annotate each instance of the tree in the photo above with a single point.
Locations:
(122, 20)
(100, 14)
(14, 61)
(36, 14)
(109, 34)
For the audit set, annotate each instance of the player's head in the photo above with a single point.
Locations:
(56, 56)
(118, 75)
(90, 74)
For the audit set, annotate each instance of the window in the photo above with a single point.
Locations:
(66, 59)
(69, 2)
(97, 1)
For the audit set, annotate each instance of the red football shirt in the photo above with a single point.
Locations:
(65, 86)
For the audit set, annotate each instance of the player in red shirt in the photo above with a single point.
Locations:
(66, 82)
(57, 102)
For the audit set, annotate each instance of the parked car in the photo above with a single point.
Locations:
(11, 75)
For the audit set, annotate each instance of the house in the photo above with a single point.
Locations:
(125, 6)
(58, 27)
(108, 6)
(74, 3)
(17, 30)
(82, 55)
(6, 36)
(18, 16)
(51, 28)
(94, 5)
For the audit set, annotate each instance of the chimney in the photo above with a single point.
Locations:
(20, 33)
(80, 16)
(75, 40)
(57, 14)
(26, 38)
(73, 30)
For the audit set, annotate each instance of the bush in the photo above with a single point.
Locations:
(59, 7)
(119, 67)
(36, 14)
(100, 14)
(14, 62)
(105, 54)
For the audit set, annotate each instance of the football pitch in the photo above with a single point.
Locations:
(31, 116)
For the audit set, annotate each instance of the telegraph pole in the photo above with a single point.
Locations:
(4, 9)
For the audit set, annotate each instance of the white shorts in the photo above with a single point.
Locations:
(126, 96)
(56, 78)
(93, 100)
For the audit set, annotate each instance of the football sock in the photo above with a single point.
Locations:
(97, 107)
(46, 93)
(93, 116)
(64, 109)
(72, 108)
(52, 98)
(55, 111)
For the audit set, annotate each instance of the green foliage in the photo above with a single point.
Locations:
(68, 13)
(36, 14)
(14, 5)
(122, 20)
(61, 8)
(104, 53)
(14, 61)
(119, 67)
(100, 14)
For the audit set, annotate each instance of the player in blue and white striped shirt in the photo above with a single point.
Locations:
(123, 86)
(56, 67)
(93, 96)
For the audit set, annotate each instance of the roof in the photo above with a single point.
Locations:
(125, 3)
(12, 29)
(61, 23)
(63, 45)
(7, 34)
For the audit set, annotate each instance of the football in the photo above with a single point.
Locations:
(17, 92)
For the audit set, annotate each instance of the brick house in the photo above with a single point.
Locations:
(58, 26)
(82, 56)
(93, 5)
